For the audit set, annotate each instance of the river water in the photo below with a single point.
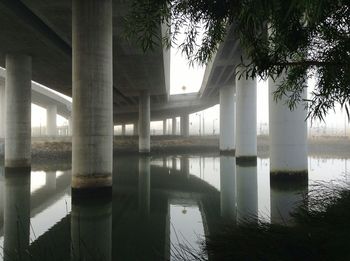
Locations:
(160, 206)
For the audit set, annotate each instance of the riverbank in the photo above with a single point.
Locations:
(60, 148)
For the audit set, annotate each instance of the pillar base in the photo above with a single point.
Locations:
(91, 182)
(145, 153)
(288, 176)
(246, 160)
(283, 186)
(228, 152)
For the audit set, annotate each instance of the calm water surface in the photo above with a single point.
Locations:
(159, 204)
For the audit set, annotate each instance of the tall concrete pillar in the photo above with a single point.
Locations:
(91, 230)
(144, 185)
(92, 94)
(18, 111)
(70, 126)
(246, 107)
(228, 197)
(288, 138)
(227, 119)
(136, 128)
(164, 127)
(16, 214)
(173, 126)
(185, 166)
(2, 112)
(185, 125)
(51, 126)
(123, 129)
(144, 122)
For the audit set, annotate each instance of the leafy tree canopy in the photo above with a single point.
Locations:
(304, 38)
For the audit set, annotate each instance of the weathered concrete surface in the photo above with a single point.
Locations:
(18, 111)
(246, 123)
(185, 125)
(144, 122)
(288, 136)
(227, 119)
(92, 156)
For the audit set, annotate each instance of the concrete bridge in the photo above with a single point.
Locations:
(76, 48)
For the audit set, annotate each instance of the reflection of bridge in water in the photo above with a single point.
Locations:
(137, 221)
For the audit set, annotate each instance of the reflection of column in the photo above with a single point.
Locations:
(247, 192)
(173, 164)
(227, 119)
(16, 214)
(136, 128)
(51, 124)
(288, 137)
(173, 126)
(91, 230)
(70, 126)
(92, 143)
(18, 111)
(50, 180)
(2, 194)
(185, 166)
(246, 141)
(285, 197)
(144, 185)
(228, 187)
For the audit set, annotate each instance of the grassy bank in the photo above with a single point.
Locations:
(321, 232)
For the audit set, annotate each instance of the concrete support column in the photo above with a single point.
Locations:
(288, 138)
(246, 140)
(92, 35)
(18, 111)
(185, 125)
(285, 198)
(136, 128)
(70, 126)
(247, 192)
(227, 119)
(51, 125)
(123, 129)
(164, 127)
(2, 112)
(173, 126)
(144, 122)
